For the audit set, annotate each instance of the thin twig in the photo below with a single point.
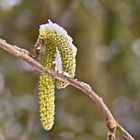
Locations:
(110, 120)
(125, 134)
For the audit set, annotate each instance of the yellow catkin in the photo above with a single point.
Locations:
(47, 87)
(53, 41)
(68, 60)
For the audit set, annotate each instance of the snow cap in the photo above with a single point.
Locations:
(61, 31)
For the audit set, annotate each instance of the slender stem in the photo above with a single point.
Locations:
(85, 88)
(125, 134)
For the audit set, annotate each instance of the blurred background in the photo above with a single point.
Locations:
(107, 35)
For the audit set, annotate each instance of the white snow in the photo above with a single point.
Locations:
(74, 49)
(61, 31)
(66, 74)
(58, 62)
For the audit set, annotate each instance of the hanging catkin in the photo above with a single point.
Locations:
(59, 56)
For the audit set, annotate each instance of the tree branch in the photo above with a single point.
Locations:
(110, 120)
